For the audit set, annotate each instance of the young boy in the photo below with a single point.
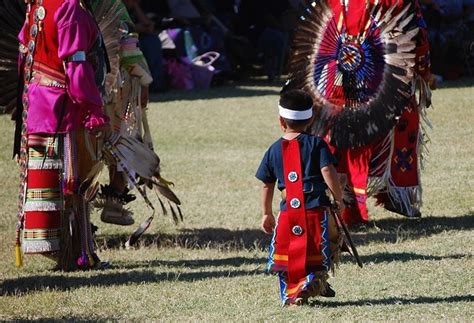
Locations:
(306, 241)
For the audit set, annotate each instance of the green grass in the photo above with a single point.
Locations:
(210, 268)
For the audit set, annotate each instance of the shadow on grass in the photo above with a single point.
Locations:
(398, 229)
(248, 89)
(396, 301)
(63, 282)
(74, 319)
(214, 238)
(384, 257)
(375, 258)
(386, 230)
(195, 263)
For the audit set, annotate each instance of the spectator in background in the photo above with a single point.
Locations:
(447, 24)
(153, 17)
(224, 10)
(188, 9)
(150, 43)
(158, 13)
(262, 23)
(200, 32)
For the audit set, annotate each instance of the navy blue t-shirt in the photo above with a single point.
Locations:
(315, 154)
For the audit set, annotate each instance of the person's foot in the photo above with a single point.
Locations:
(329, 292)
(112, 204)
(115, 213)
(314, 290)
(416, 213)
(301, 299)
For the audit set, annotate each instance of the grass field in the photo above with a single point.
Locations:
(211, 267)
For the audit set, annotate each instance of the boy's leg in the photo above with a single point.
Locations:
(323, 250)
(287, 294)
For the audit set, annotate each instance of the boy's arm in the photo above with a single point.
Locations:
(330, 177)
(268, 220)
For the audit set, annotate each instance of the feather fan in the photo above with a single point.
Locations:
(359, 86)
(134, 155)
(137, 157)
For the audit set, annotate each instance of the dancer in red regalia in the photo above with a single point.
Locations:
(361, 60)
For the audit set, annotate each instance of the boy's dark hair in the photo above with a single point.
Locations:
(297, 100)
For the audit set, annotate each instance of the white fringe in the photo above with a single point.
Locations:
(425, 124)
(409, 198)
(43, 206)
(40, 246)
(45, 164)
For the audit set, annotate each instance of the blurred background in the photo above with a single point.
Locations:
(252, 38)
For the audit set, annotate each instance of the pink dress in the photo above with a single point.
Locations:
(68, 29)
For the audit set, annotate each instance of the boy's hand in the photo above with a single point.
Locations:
(339, 207)
(268, 223)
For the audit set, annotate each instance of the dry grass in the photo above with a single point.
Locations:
(211, 267)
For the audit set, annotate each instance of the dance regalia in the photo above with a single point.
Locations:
(129, 70)
(361, 61)
(59, 102)
(306, 241)
(129, 74)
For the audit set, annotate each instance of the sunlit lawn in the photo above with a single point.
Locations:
(211, 267)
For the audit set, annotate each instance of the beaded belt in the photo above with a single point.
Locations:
(47, 76)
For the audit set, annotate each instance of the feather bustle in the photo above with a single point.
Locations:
(317, 31)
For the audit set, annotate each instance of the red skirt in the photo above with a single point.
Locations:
(317, 258)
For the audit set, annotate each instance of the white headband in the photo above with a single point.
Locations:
(295, 115)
